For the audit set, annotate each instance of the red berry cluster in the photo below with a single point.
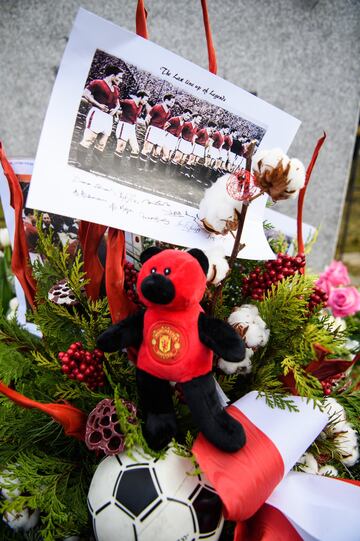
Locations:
(338, 382)
(260, 280)
(78, 363)
(130, 281)
(318, 296)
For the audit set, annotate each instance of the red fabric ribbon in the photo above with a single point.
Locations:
(90, 236)
(72, 419)
(209, 40)
(268, 524)
(141, 16)
(141, 30)
(300, 240)
(119, 304)
(20, 262)
(245, 479)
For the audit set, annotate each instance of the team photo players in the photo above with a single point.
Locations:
(103, 95)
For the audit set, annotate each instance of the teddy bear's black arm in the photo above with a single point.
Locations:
(219, 336)
(128, 332)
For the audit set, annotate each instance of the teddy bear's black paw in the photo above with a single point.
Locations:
(159, 429)
(224, 432)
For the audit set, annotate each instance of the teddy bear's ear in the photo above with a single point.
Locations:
(201, 258)
(149, 252)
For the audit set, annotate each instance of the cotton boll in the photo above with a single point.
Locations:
(9, 485)
(265, 160)
(217, 208)
(347, 445)
(308, 463)
(218, 265)
(251, 327)
(243, 367)
(4, 238)
(328, 471)
(296, 175)
(21, 520)
(256, 335)
(334, 410)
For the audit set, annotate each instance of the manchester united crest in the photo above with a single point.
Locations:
(167, 342)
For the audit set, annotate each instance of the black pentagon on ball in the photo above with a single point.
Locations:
(136, 490)
(208, 509)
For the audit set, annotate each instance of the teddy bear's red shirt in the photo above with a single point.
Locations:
(171, 348)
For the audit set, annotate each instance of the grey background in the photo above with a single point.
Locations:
(300, 55)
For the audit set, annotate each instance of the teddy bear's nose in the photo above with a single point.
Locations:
(158, 289)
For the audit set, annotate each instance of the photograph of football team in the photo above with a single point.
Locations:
(142, 131)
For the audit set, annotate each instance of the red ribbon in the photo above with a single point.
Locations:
(300, 240)
(20, 262)
(119, 304)
(268, 524)
(72, 419)
(90, 236)
(245, 479)
(209, 40)
(141, 16)
(141, 30)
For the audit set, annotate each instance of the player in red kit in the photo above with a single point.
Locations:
(103, 95)
(186, 143)
(225, 151)
(173, 128)
(130, 110)
(156, 120)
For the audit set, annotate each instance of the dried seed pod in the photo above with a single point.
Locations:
(103, 429)
(61, 293)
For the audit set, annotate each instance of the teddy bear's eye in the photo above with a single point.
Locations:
(167, 270)
(153, 270)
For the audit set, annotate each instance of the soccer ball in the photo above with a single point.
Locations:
(140, 498)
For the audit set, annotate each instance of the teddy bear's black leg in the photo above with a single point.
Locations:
(213, 421)
(157, 409)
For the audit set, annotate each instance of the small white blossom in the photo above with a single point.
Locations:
(21, 520)
(267, 160)
(218, 265)
(252, 328)
(217, 208)
(295, 177)
(9, 485)
(308, 463)
(243, 367)
(328, 470)
(4, 238)
(347, 445)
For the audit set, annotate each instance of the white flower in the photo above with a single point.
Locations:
(251, 327)
(328, 470)
(266, 160)
(13, 306)
(218, 265)
(9, 485)
(4, 238)
(336, 414)
(347, 445)
(334, 323)
(217, 208)
(308, 463)
(21, 520)
(296, 176)
(243, 367)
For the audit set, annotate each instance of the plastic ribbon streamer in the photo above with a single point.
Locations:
(300, 206)
(141, 30)
(90, 236)
(119, 304)
(258, 492)
(20, 262)
(72, 419)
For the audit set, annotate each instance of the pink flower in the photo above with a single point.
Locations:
(324, 284)
(344, 301)
(336, 274)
